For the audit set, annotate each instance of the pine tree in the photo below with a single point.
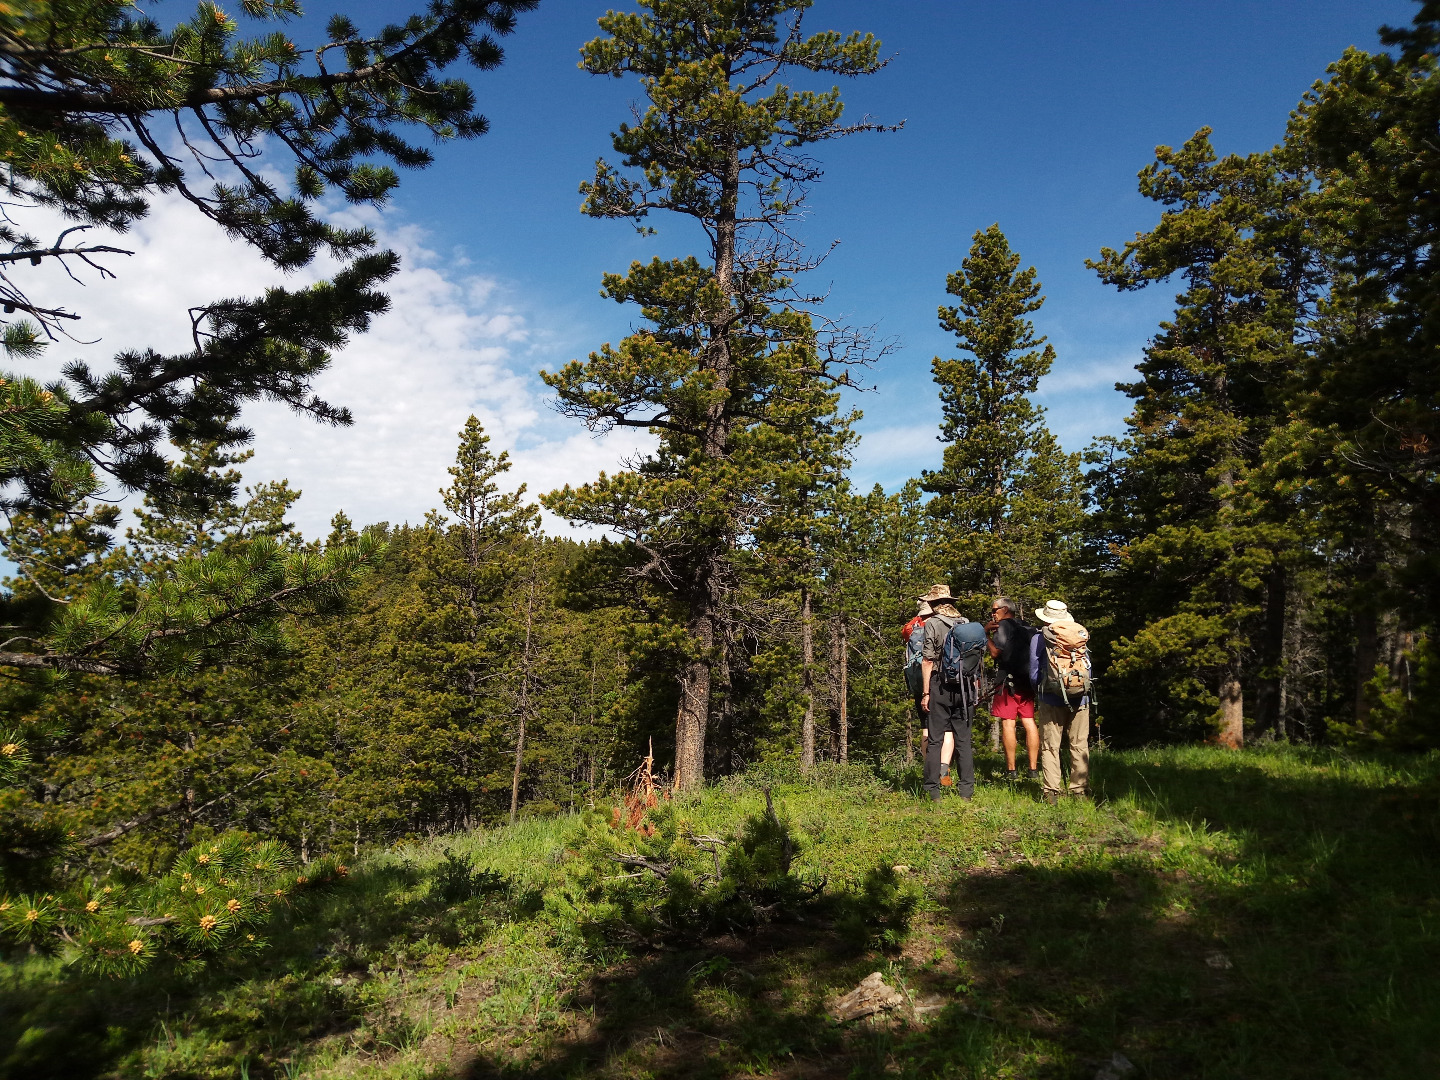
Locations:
(808, 444)
(1007, 506)
(426, 679)
(89, 91)
(124, 775)
(1194, 546)
(723, 143)
(1368, 396)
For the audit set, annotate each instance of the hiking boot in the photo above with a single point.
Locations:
(1033, 774)
(1011, 775)
(1052, 798)
(946, 780)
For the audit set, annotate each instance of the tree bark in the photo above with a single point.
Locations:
(1268, 704)
(1232, 710)
(526, 660)
(844, 690)
(725, 751)
(1290, 646)
(694, 705)
(997, 526)
(1367, 655)
(807, 679)
(1232, 692)
(708, 602)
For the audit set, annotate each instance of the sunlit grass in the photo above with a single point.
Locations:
(1260, 914)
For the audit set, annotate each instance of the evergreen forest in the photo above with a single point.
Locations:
(461, 797)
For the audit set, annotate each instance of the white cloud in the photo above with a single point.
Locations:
(891, 455)
(452, 344)
(1091, 375)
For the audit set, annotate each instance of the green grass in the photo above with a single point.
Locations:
(1270, 913)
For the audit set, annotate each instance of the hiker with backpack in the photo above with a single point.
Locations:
(913, 634)
(1009, 646)
(1060, 670)
(952, 658)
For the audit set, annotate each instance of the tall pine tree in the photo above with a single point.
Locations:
(723, 142)
(1200, 559)
(1007, 509)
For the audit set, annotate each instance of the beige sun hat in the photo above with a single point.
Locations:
(938, 594)
(1054, 611)
(922, 609)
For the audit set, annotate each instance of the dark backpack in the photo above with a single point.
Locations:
(1014, 661)
(914, 653)
(962, 658)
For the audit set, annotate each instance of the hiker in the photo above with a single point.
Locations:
(1060, 671)
(913, 634)
(1014, 699)
(950, 663)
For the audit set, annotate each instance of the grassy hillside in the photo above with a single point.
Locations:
(1270, 913)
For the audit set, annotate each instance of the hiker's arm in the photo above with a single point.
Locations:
(1037, 643)
(926, 666)
(992, 629)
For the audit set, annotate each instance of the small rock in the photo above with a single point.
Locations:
(901, 868)
(337, 982)
(1117, 1068)
(870, 997)
(1219, 961)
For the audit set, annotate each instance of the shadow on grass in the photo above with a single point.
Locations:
(1291, 935)
(1302, 944)
(305, 986)
(734, 1007)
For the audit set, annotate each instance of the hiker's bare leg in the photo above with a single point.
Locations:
(947, 748)
(1032, 742)
(1007, 736)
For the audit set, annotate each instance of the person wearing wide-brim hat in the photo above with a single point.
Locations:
(1060, 715)
(947, 715)
(939, 597)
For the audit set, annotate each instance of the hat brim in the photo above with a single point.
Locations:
(1043, 617)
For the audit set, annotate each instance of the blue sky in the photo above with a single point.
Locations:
(1036, 114)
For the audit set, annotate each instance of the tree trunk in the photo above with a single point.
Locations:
(844, 690)
(519, 760)
(1232, 710)
(997, 527)
(707, 603)
(526, 661)
(807, 680)
(725, 751)
(694, 708)
(1290, 646)
(1272, 651)
(1367, 655)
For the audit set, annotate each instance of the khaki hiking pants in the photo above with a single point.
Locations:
(1055, 722)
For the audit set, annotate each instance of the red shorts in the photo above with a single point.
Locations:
(1009, 705)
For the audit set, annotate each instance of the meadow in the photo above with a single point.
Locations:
(1271, 912)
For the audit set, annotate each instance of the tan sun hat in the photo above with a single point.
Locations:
(938, 594)
(922, 609)
(1054, 611)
